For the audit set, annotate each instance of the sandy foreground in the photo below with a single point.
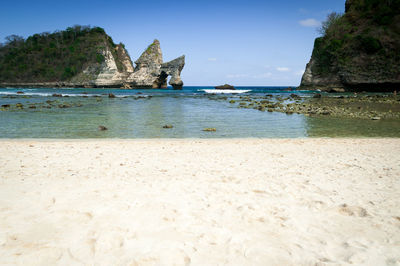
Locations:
(200, 202)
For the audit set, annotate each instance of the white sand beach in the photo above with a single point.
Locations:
(200, 202)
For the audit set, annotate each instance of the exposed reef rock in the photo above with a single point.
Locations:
(87, 57)
(225, 87)
(359, 51)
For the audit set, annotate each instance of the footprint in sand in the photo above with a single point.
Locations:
(345, 209)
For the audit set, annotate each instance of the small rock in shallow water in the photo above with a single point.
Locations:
(210, 129)
(56, 95)
(102, 128)
(168, 126)
(295, 96)
(110, 95)
(318, 95)
(20, 92)
(5, 106)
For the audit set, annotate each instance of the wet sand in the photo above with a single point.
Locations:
(200, 202)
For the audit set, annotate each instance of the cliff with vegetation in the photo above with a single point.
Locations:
(82, 56)
(359, 51)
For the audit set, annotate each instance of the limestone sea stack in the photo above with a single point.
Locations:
(151, 72)
(225, 87)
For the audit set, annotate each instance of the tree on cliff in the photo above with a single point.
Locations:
(330, 22)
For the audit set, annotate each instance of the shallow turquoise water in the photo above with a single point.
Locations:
(142, 114)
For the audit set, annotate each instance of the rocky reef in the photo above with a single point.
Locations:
(359, 51)
(83, 57)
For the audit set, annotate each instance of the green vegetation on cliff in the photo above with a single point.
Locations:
(56, 56)
(362, 46)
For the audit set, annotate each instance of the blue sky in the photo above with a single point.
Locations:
(238, 42)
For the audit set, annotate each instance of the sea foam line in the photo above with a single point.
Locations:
(68, 94)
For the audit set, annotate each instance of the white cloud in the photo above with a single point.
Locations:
(310, 22)
(283, 69)
(213, 59)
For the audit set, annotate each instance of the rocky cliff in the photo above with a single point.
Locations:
(359, 51)
(150, 70)
(83, 57)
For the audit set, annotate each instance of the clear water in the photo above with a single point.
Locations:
(143, 113)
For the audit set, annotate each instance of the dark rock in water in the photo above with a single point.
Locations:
(56, 95)
(288, 89)
(232, 101)
(66, 96)
(20, 92)
(5, 106)
(32, 107)
(225, 87)
(210, 129)
(110, 95)
(64, 106)
(318, 95)
(168, 126)
(19, 105)
(295, 96)
(102, 128)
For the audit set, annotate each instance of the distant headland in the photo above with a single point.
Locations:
(83, 56)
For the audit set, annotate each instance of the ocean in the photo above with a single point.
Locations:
(143, 113)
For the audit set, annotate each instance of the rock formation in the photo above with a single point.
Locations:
(359, 51)
(225, 87)
(83, 56)
(151, 72)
